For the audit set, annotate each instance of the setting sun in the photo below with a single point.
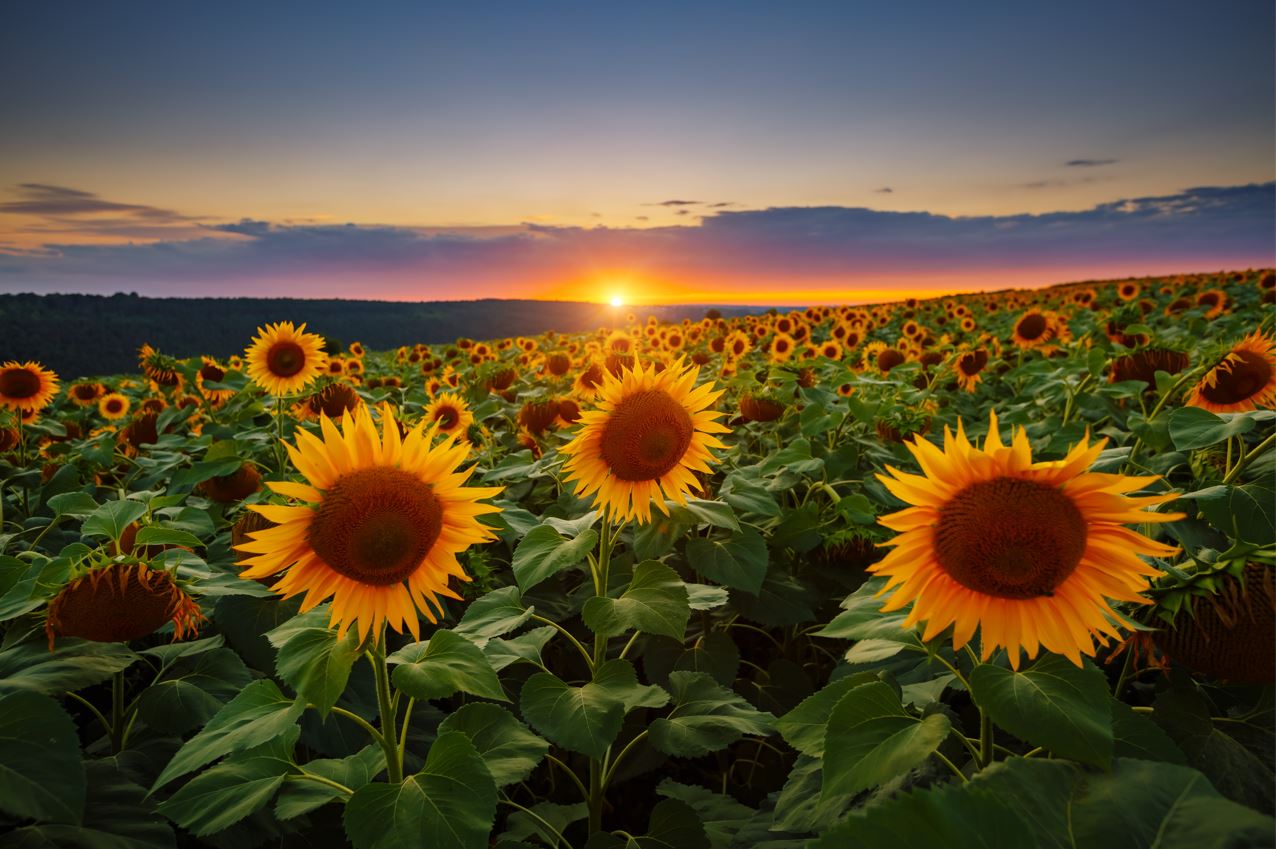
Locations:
(617, 301)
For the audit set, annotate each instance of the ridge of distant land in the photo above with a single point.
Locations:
(83, 335)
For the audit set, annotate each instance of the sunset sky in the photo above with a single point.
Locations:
(734, 152)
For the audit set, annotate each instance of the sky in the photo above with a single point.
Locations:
(734, 152)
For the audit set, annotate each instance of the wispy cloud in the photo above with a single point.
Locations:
(830, 249)
(49, 212)
(884, 190)
(1089, 163)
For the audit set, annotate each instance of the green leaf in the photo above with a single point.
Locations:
(706, 717)
(302, 796)
(117, 816)
(156, 535)
(803, 728)
(871, 739)
(544, 552)
(501, 653)
(720, 814)
(1247, 512)
(549, 818)
(493, 615)
(1137, 736)
(1192, 427)
(510, 750)
(78, 504)
(40, 766)
(24, 586)
(718, 514)
(738, 561)
(192, 691)
(706, 596)
(222, 796)
(312, 660)
(446, 663)
(74, 664)
(584, 719)
(655, 603)
(112, 518)
(260, 713)
(673, 825)
(449, 804)
(619, 679)
(748, 497)
(1053, 704)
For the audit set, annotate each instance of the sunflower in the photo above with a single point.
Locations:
(651, 432)
(1033, 329)
(113, 406)
(211, 371)
(379, 525)
(736, 345)
(26, 387)
(968, 366)
(1243, 380)
(450, 413)
(1028, 552)
(782, 348)
(284, 359)
(1128, 291)
(121, 602)
(85, 393)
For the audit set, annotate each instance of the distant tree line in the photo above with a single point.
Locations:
(88, 335)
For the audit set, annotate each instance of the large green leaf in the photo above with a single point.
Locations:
(445, 664)
(619, 679)
(1192, 427)
(506, 745)
(673, 825)
(41, 772)
(312, 660)
(706, 717)
(449, 804)
(1246, 512)
(24, 586)
(117, 816)
(192, 690)
(804, 726)
(257, 715)
(871, 739)
(493, 615)
(1053, 703)
(544, 552)
(655, 602)
(719, 813)
(73, 664)
(112, 518)
(739, 560)
(301, 796)
(584, 719)
(222, 796)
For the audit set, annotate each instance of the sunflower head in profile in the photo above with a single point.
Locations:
(651, 433)
(1032, 554)
(450, 415)
(121, 602)
(1243, 380)
(26, 387)
(284, 359)
(377, 524)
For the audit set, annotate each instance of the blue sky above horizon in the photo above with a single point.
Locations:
(725, 152)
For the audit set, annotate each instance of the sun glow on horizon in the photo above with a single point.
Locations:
(617, 301)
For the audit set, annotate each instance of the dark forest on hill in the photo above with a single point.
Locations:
(89, 335)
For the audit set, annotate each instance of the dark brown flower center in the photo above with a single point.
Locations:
(972, 362)
(284, 359)
(212, 373)
(84, 391)
(1245, 379)
(889, 358)
(19, 383)
(376, 525)
(1010, 538)
(646, 436)
(1031, 326)
(114, 405)
(447, 417)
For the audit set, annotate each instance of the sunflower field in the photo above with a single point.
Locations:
(992, 570)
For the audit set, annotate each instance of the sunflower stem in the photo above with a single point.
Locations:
(1245, 459)
(1124, 677)
(597, 782)
(385, 706)
(117, 712)
(280, 454)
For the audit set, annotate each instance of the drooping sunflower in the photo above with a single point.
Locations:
(651, 432)
(211, 371)
(1243, 380)
(378, 524)
(450, 414)
(26, 387)
(283, 359)
(113, 406)
(1029, 553)
(121, 602)
(968, 368)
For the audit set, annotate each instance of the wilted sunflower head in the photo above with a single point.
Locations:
(377, 524)
(121, 602)
(284, 359)
(26, 387)
(1029, 552)
(650, 434)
